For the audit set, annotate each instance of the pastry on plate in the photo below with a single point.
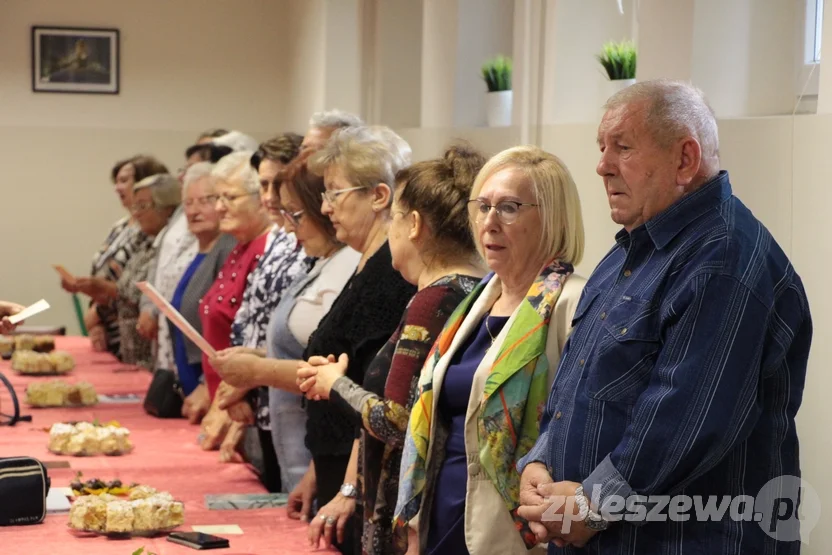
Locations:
(88, 513)
(6, 346)
(58, 393)
(119, 516)
(141, 492)
(61, 361)
(24, 342)
(89, 439)
(43, 344)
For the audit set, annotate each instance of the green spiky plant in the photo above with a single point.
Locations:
(619, 60)
(497, 74)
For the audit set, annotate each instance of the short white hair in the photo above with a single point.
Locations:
(165, 189)
(368, 156)
(236, 167)
(197, 171)
(334, 119)
(676, 109)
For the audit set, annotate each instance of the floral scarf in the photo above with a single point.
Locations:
(515, 395)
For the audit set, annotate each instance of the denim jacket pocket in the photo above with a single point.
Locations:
(626, 352)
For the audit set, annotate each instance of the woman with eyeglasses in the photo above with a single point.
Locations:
(154, 201)
(243, 216)
(199, 202)
(294, 320)
(359, 166)
(482, 390)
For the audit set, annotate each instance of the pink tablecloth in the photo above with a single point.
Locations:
(165, 457)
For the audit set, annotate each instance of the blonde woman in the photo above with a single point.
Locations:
(485, 382)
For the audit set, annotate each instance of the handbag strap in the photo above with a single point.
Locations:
(15, 417)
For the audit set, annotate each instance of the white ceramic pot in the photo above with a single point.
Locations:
(498, 108)
(609, 88)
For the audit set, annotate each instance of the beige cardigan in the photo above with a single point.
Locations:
(489, 527)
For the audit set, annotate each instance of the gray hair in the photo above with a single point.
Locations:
(367, 155)
(237, 167)
(165, 189)
(197, 171)
(676, 109)
(334, 119)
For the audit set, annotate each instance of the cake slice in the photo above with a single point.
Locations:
(119, 516)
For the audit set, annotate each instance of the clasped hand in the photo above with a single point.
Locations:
(551, 509)
(317, 375)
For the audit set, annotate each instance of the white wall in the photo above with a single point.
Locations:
(184, 67)
(458, 36)
(578, 78)
(304, 82)
(398, 55)
(743, 52)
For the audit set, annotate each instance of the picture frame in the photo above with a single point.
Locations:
(75, 60)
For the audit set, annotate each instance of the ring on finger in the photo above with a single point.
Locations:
(330, 521)
(324, 517)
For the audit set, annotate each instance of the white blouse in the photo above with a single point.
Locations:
(316, 300)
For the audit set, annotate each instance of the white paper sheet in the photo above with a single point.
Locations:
(29, 311)
(175, 317)
(56, 500)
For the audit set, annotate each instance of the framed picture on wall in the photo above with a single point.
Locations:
(75, 60)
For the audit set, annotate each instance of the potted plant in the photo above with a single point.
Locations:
(619, 62)
(497, 76)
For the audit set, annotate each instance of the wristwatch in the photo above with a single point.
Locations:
(349, 490)
(591, 519)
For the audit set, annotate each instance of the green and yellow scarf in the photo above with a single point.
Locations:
(513, 401)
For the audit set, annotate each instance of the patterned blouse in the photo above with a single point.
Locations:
(283, 261)
(122, 241)
(382, 406)
(134, 348)
(219, 305)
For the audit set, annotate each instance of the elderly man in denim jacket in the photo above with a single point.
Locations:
(686, 365)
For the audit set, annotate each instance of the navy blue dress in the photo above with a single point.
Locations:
(446, 534)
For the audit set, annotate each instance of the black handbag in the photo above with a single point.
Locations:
(24, 484)
(164, 397)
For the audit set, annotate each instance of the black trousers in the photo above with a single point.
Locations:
(329, 475)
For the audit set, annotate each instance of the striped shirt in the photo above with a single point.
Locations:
(682, 376)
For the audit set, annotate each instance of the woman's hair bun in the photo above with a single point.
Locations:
(464, 163)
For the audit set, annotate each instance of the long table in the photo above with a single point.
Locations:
(166, 457)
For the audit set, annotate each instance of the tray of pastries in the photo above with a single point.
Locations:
(58, 393)
(147, 512)
(42, 364)
(86, 439)
(26, 342)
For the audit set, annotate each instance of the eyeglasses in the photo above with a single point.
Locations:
(207, 200)
(293, 217)
(141, 207)
(332, 196)
(507, 210)
(228, 199)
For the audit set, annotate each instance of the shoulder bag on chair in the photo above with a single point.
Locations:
(24, 484)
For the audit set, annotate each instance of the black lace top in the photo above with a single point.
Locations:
(360, 322)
